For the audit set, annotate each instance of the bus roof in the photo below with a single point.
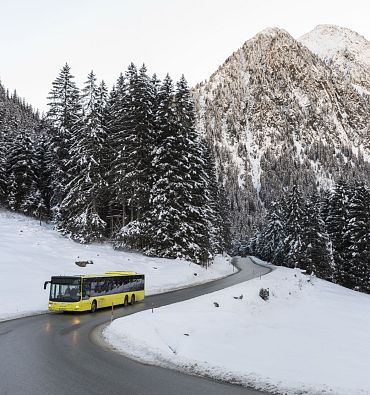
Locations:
(106, 274)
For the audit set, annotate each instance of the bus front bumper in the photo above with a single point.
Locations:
(64, 306)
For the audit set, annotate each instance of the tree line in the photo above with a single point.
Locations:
(328, 235)
(125, 165)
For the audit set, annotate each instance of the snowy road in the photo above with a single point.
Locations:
(58, 354)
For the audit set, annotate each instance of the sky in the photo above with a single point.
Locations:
(190, 37)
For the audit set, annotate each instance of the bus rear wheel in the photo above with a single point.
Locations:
(94, 306)
(133, 299)
(125, 303)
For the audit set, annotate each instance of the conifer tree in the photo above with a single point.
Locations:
(34, 203)
(81, 207)
(12, 201)
(357, 237)
(336, 224)
(105, 158)
(224, 215)
(294, 246)
(20, 169)
(138, 137)
(317, 254)
(64, 102)
(273, 236)
(180, 215)
(3, 175)
(114, 164)
(43, 167)
(64, 112)
(132, 132)
(218, 207)
(165, 221)
(204, 204)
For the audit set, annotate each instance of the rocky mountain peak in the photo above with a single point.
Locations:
(273, 32)
(276, 114)
(345, 51)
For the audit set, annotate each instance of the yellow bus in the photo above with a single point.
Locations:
(91, 292)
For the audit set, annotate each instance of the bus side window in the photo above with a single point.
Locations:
(126, 283)
(121, 285)
(86, 289)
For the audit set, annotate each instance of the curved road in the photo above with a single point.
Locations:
(56, 354)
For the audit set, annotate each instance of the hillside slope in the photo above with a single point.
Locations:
(309, 337)
(30, 254)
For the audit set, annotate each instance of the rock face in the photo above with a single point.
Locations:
(344, 51)
(276, 114)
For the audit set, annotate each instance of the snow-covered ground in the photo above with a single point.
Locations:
(311, 336)
(30, 254)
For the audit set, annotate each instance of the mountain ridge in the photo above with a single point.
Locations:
(271, 100)
(344, 50)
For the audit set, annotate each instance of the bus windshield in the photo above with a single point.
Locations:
(65, 290)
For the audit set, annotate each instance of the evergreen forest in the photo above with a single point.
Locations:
(327, 235)
(126, 166)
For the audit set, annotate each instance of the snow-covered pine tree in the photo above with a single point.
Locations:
(11, 198)
(256, 244)
(357, 237)
(34, 203)
(20, 169)
(64, 113)
(138, 136)
(104, 154)
(3, 176)
(224, 212)
(82, 205)
(336, 225)
(202, 206)
(273, 236)
(219, 215)
(174, 224)
(317, 254)
(64, 101)
(165, 218)
(3, 150)
(132, 132)
(16, 118)
(44, 162)
(294, 246)
(114, 165)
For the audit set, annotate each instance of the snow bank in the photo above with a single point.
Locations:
(30, 254)
(310, 335)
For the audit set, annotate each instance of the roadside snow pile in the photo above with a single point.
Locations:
(30, 254)
(308, 336)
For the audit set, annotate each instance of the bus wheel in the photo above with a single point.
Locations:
(94, 306)
(125, 303)
(133, 299)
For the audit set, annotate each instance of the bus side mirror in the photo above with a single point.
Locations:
(46, 283)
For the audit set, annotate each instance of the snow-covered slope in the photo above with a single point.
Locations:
(310, 337)
(30, 254)
(346, 52)
(276, 114)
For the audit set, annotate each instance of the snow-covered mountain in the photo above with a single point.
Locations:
(275, 113)
(346, 52)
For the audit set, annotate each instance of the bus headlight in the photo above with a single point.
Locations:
(49, 304)
(77, 307)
